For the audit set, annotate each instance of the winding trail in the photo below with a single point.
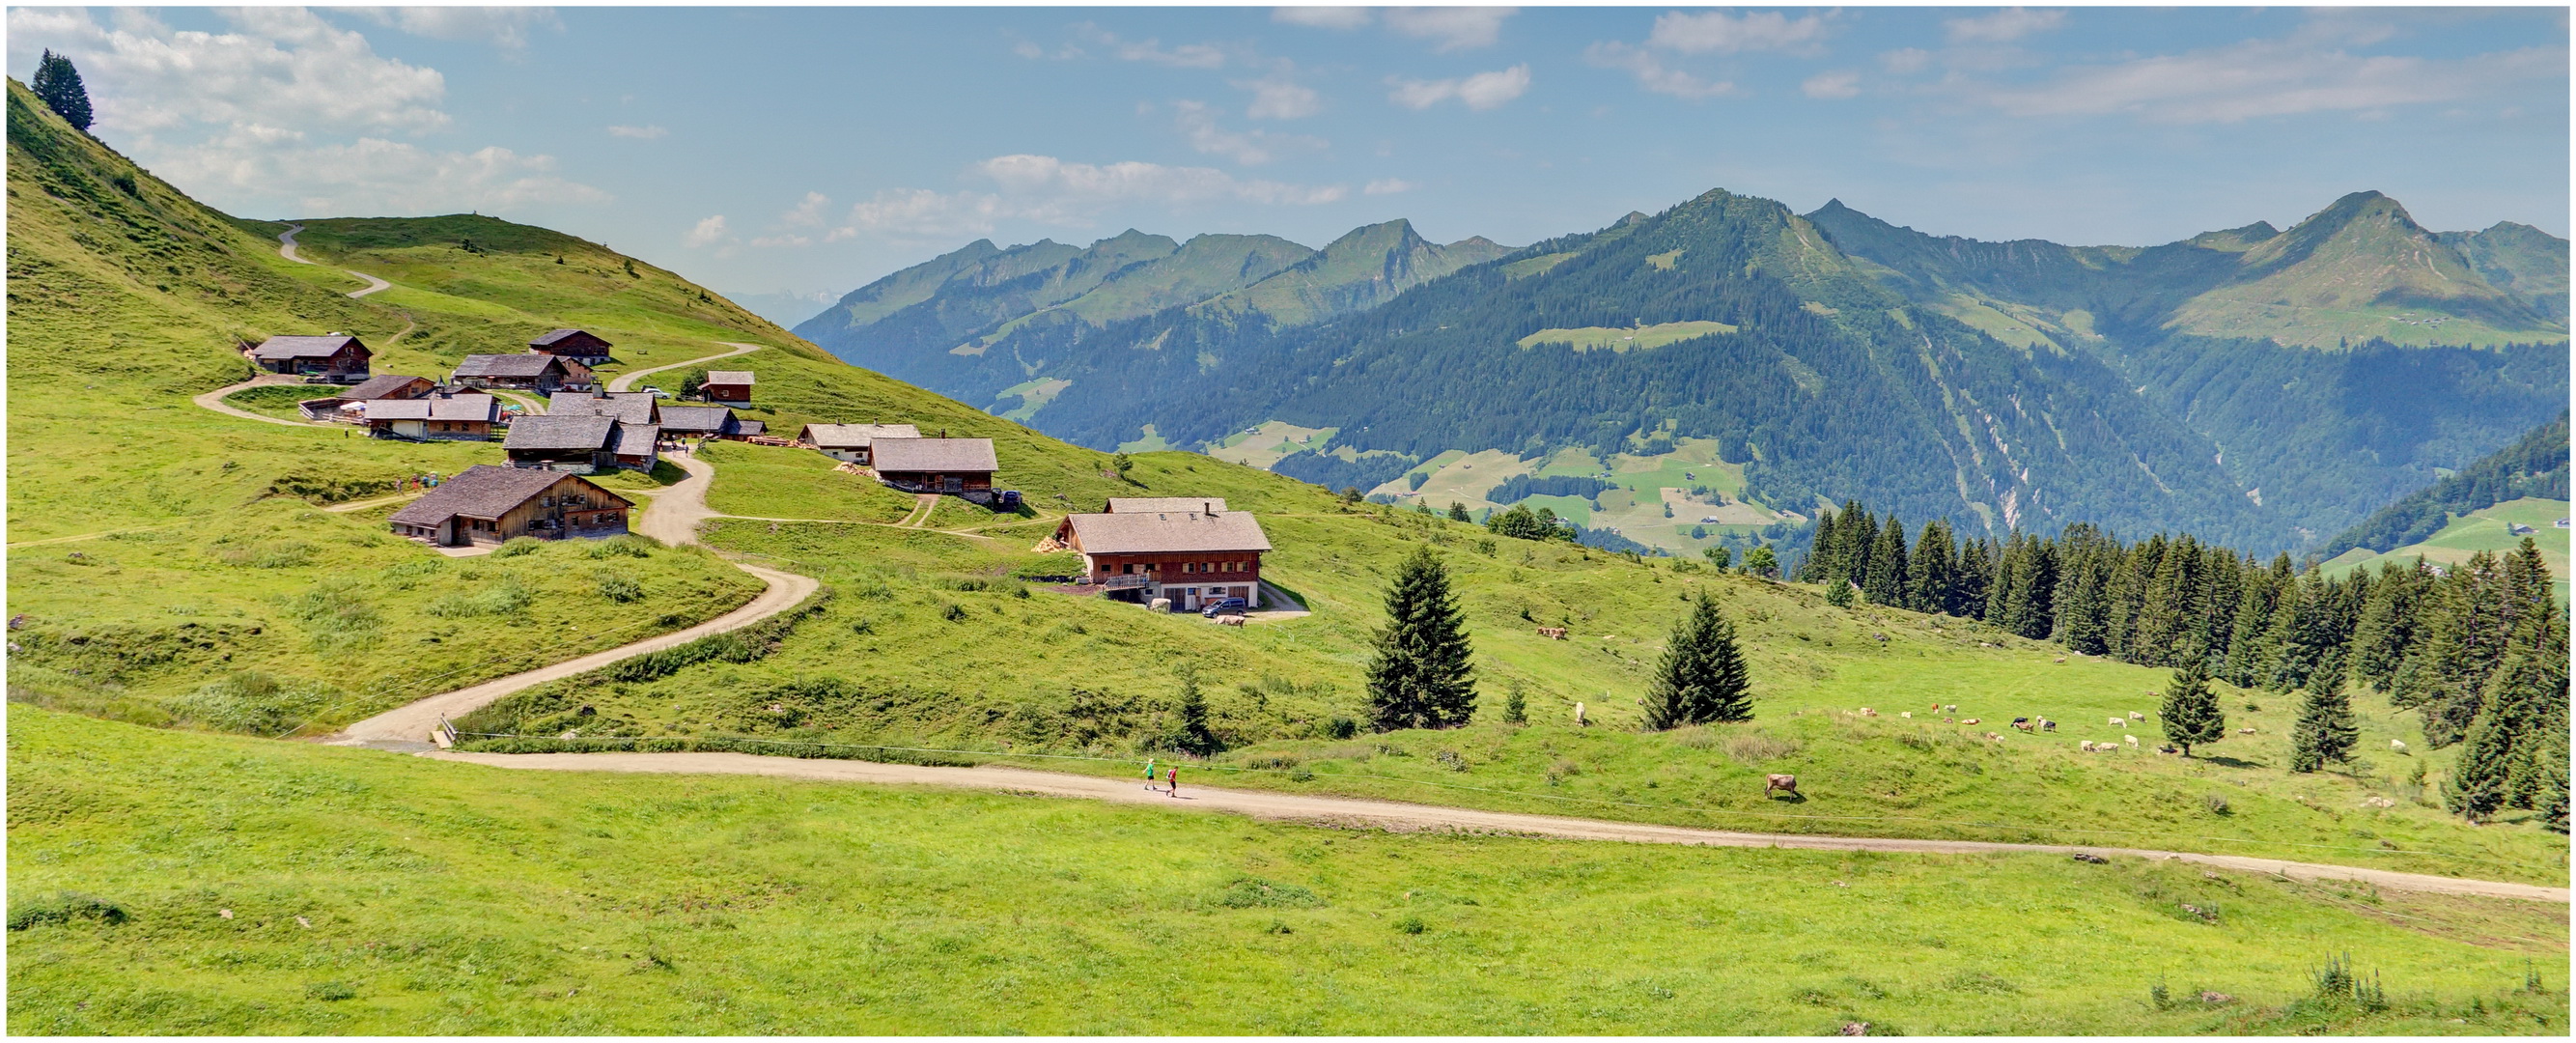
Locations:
(286, 249)
(214, 399)
(627, 381)
(1413, 817)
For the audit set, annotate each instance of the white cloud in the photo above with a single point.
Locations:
(1482, 91)
(647, 132)
(1388, 186)
(1452, 28)
(1026, 49)
(1727, 34)
(2005, 26)
(1051, 191)
(710, 230)
(503, 27)
(1652, 74)
(1185, 56)
(767, 241)
(1276, 98)
(369, 175)
(285, 67)
(808, 212)
(1832, 85)
(1245, 148)
(1322, 17)
(1906, 61)
(2266, 78)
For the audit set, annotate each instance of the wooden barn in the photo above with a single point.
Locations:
(380, 386)
(488, 505)
(850, 442)
(699, 422)
(338, 357)
(543, 374)
(581, 444)
(727, 385)
(1191, 556)
(629, 407)
(935, 465)
(581, 346)
(453, 418)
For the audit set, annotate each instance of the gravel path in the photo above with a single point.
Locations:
(286, 249)
(628, 381)
(214, 399)
(1400, 816)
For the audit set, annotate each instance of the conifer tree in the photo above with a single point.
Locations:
(2191, 716)
(1196, 738)
(2386, 630)
(1887, 581)
(2129, 596)
(1458, 512)
(2251, 620)
(2082, 600)
(2464, 637)
(2326, 732)
(1702, 677)
(1420, 676)
(59, 86)
(1930, 568)
(1976, 575)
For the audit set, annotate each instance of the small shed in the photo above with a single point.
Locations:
(849, 442)
(337, 356)
(935, 465)
(452, 418)
(544, 374)
(728, 385)
(581, 346)
(486, 505)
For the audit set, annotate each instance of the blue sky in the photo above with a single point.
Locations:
(809, 150)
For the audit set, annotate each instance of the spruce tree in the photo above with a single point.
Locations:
(1702, 678)
(1196, 738)
(2251, 620)
(2190, 715)
(1420, 676)
(2386, 630)
(1458, 512)
(58, 85)
(1887, 581)
(1930, 569)
(2326, 732)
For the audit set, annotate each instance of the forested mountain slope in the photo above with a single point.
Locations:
(2535, 465)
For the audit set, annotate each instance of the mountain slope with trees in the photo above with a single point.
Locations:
(2534, 465)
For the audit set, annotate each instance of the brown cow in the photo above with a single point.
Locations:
(1780, 784)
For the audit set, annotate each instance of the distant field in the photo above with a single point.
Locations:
(779, 482)
(1262, 446)
(2485, 530)
(1033, 395)
(1635, 509)
(1150, 441)
(1599, 338)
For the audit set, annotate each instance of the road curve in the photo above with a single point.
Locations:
(286, 249)
(214, 400)
(411, 723)
(1402, 816)
(627, 381)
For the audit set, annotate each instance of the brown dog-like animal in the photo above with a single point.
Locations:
(1780, 784)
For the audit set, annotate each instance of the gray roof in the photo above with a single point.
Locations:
(379, 386)
(728, 376)
(560, 432)
(486, 491)
(1153, 504)
(321, 347)
(853, 436)
(633, 407)
(933, 454)
(750, 427)
(524, 365)
(1166, 531)
(636, 439)
(552, 336)
(460, 407)
(714, 420)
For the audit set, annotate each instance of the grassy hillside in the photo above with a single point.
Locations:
(223, 885)
(2486, 529)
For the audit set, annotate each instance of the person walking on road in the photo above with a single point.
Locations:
(1149, 773)
(1173, 774)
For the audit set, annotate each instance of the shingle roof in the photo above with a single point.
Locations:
(526, 365)
(487, 491)
(375, 387)
(750, 427)
(853, 436)
(321, 347)
(633, 407)
(713, 420)
(1153, 504)
(552, 336)
(728, 376)
(460, 407)
(933, 454)
(637, 439)
(1166, 531)
(560, 432)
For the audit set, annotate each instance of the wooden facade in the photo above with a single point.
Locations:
(336, 357)
(727, 385)
(1192, 557)
(580, 346)
(489, 505)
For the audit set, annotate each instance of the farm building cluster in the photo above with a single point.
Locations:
(1183, 553)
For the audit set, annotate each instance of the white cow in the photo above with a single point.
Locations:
(2121, 721)
(2398, 745)
(2132, 740)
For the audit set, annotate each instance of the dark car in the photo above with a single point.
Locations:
(1229, 606)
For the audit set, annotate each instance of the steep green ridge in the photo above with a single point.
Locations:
(454, 899)
(2521, 260)
(2359, 262)
(2535, 465)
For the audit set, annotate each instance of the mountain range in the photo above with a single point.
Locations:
(2264, 386)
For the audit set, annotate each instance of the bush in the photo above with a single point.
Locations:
(1755, 747)
(2216, 804)
(504, 598)
(1411, 924)
(620, 589)
(1253, 892)
(330, 991)
(64, 907)
(954, 613)
(630, 545)
(254, 702)
(1341, 728)
(518, 546)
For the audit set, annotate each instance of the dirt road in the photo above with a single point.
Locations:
(1400, 816)
(286, 249)
(214, 399)
(675, 511)
(409, 726)
(627, 381)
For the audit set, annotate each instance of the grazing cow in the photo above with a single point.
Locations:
(2398, 745)
(2244, 731)
(1230, 621)
(2086, 746)
(2136, 716)
(1951, 708)
(2047, 725)
(1907, 714)
(2061, 660)
(1867, 712)
(1557, 633)
(2121, 721)
(1972, 720)
(2021, 725)
(1578, 716)
(2132, 740)
(1780, 784)
(1992, 737)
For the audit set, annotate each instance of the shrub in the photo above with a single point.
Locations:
(619, 588)
(518, 546)
(330, 991)
(1341, 728)
(1755, 747)
(504, 598)
(64, 907)
(2217, 805)
(1253, 892)
(954, 613)
(253, 702)
(631, 545)
(1411, 924)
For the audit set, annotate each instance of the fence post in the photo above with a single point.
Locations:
(445, 736)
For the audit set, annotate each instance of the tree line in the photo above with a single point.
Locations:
(2479, 650)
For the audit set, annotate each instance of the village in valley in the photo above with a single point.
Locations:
(562, 422)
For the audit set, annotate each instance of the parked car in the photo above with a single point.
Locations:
(657, 392)
(1228, 606)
